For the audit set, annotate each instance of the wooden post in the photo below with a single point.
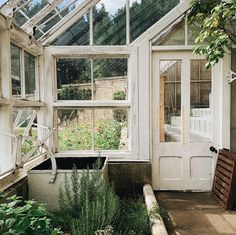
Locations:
(162, 107)
(6, 142)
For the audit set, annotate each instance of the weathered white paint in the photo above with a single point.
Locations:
(28, 26)
(132, 102)
(12, 177)
(183, 165)
(6, 158)
(90, 51)
(96, 103)
(49, 90)
(21, 38)
(143, 95)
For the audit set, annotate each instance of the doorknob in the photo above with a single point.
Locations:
(213, 149)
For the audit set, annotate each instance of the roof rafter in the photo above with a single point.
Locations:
(28, 26)
(67, 21)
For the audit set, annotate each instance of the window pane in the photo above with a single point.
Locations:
(21, 119)
(110, 79)
(74, 79)
(77, 34)
(28, 10)
(145, 13)
(170, 101)
(201, 129)
(75, 129)
(109, 27)
(29, 76)
(175, 37)
(15, 71)
(111, 129)
(193, 31)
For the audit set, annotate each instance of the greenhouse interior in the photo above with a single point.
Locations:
(104, 103)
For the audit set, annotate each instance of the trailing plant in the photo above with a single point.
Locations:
(18, 217)
(87, 203)
(217, 19)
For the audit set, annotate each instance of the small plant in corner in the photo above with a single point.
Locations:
(18, 217)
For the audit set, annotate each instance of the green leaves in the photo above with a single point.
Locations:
(22, 218)
(217, 20)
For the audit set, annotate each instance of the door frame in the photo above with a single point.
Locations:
(219, 103)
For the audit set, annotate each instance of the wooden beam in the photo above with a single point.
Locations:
(97, 103)
(67, 21)
(27, 103)
(162, 108)
(6, 123)
(88, 51)
(28, 26)
(4, 101)
(26, 41)
(14, 176)
(3, 22)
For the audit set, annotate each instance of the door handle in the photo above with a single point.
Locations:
(213, 149)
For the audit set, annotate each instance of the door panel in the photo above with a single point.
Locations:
(182, 123)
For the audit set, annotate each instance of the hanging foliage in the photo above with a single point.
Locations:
(218, 29)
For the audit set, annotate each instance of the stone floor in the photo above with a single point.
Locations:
(195, 214)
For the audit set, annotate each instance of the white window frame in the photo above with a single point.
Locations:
(22, 71)
(52, 53)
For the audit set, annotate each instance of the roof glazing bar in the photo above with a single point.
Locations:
(41, 14)
(67, 21)
(62, 10)
(21, 6)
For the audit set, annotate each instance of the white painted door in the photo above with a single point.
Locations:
(182, 111)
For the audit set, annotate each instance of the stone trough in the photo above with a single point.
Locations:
(43, 191)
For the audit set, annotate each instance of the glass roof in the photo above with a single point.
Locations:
(2, 2)
(42, 18)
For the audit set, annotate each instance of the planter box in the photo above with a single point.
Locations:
(38, 178)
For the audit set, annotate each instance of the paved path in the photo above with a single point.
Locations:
(195, 214)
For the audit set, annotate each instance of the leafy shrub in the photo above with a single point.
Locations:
(79, 136)
(107, 135)
(87, 206)
(73, 93)
(76, 136)
(119, 115)
(119, 95)
(24, 218)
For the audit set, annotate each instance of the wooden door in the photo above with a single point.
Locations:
(182, 119)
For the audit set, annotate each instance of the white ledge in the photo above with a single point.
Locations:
(156, 223)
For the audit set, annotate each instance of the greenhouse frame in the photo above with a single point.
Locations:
(82, 78)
